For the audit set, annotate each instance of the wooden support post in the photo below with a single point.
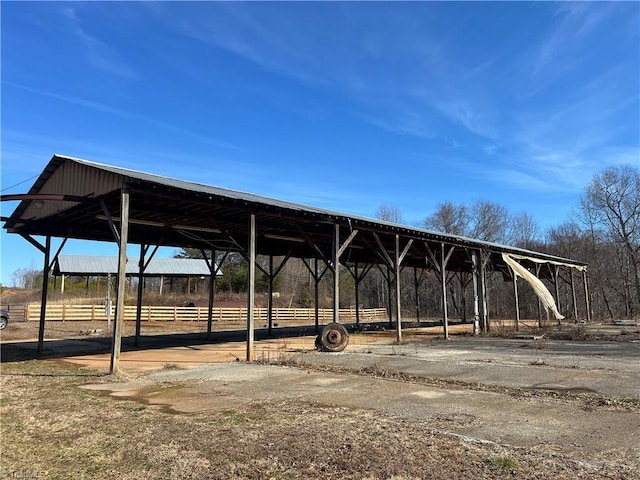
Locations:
(587, 300)
(389, 297)
(316, 281)
(336, 273)
(270, 297)
(443, 277)
(213, 269)
(316, 293)
(396, 266)
(483, 296)
(43, 300)
(143, 252)
(161, 285)
(556, 272)
(465, 283)
(116, 342)
(538, 298)
(475, 273)
(573, 296)
(515, 296)
(251, 286)
(62, 283)
(357, 279)
(416, 285)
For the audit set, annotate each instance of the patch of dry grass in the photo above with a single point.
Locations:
(50, 425)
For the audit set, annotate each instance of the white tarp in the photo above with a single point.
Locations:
(580, 268)
(541, 291)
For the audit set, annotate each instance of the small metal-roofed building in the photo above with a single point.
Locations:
(100, 266)
(75, 198)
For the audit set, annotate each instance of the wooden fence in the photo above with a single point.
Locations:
(199, 314)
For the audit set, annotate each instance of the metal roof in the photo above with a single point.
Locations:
(103, 265)
(171, 212)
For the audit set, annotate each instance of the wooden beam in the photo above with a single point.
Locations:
(406, 249)
(347, 242)
(382, 250)
(110, 222)
(45, 288)
(212, 291)
(251, 286)
(397, 260)
(336, 273)
(416, 284)
(34, 242)
(116, 343)
(515, 296)
(443, 277)
(586, 294)
(141, 267)
(475, 273)
(573, 296)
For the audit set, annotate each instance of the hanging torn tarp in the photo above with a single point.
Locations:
(580, 268)
(538, 287)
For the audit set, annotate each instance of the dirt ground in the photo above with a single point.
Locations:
(469, 407)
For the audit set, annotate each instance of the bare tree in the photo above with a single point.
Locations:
(523, 230)
(389, 213)
(25, 278)
(611, 210)
(490, 221)
(449, 218)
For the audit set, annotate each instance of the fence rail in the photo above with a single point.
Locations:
(153, 313)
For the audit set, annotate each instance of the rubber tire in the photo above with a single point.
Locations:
(4, 321)
(334, 338)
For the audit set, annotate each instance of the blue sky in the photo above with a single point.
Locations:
(339, 105)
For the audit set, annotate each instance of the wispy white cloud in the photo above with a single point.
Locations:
(97, 53)
(574, 21)
(124, 113)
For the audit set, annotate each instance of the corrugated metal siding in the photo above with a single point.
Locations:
(176, 266)
(102, 265)
(72, 178)
(86, 264)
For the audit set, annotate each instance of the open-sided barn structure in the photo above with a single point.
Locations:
(75, 198)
